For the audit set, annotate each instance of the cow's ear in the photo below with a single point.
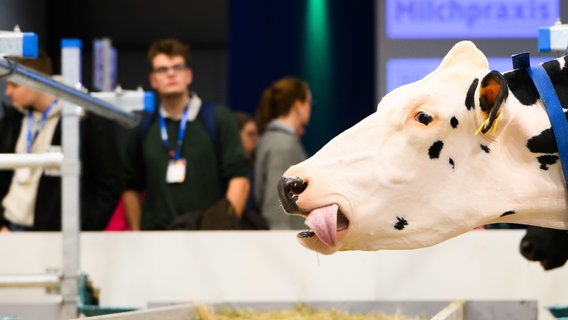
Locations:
(493, 93)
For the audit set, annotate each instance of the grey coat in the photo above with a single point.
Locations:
(277, 150)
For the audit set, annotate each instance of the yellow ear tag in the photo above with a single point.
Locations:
(493, 126)
(497, 120)
(481, 126)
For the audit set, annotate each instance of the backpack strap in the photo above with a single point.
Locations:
(146, 120)
(207, 114)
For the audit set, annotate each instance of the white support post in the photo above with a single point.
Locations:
(70, 170)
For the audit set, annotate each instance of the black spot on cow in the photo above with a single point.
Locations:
(559, 79)
(524, 90)
(454, 122)
(543, 143)
(470, 96)
(522, 87)
(452, 163)
(485, 148)
(400, 224)
(506, 213)
(435, 149)
(546, 161)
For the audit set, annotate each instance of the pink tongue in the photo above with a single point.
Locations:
(323, 221)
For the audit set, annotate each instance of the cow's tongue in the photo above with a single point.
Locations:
(323, 221)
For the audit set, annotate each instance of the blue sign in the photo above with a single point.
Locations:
(407, 70)
(467, 19)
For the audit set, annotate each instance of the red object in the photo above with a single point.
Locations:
(118, 221)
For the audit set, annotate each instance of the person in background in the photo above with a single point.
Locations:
(249, 133)
(252, 217)
(33, 200)
(10, 122)
(283, 113)
(193, 177)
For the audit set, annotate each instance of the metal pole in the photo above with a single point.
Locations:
(70, 171)
(66, 91)
(50, 160)
(30, 281)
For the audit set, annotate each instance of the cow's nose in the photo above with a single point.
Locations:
(527, 249)
(288, 190)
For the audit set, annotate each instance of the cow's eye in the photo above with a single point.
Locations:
(423, 117)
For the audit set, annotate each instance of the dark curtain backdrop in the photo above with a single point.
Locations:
(267, 41)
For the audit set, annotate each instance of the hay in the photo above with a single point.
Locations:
(301, 312)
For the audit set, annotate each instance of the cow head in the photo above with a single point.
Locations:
(438, 158)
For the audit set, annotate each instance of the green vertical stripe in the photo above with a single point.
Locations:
(318, 68)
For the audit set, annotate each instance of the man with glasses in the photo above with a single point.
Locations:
(179, 167)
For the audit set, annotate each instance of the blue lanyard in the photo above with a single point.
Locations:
(31, 135)
(552, 105)
(181, 133)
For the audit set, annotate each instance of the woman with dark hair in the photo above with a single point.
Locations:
(249, 133)
(252, 218)
(282, 115)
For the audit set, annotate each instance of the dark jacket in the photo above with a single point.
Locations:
(10, 123)
(101, 183)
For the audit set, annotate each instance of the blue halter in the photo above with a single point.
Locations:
(552, 105)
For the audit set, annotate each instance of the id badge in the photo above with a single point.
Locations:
(176, 171)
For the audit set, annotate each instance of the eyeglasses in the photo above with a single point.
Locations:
(176, 68)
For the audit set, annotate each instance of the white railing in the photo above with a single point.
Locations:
(70, 92)
(50, 160)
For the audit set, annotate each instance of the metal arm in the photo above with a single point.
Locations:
(30, 78)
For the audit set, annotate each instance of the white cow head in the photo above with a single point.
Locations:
(415, 173)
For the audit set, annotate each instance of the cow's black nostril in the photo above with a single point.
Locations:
(297, 186)
(527, 249)
(288, 190)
